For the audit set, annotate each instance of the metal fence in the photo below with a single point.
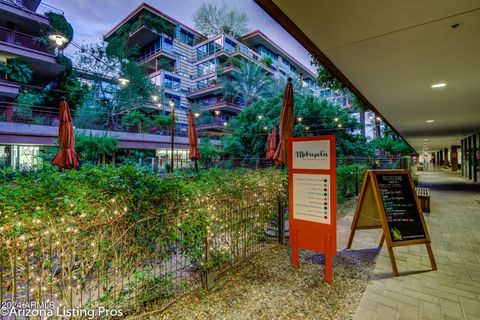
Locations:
(123, 262)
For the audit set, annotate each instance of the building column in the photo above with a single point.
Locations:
(454, 158)
(469, 158)
(445, 160)
(440, 163)
(475, 150)
(9, 111)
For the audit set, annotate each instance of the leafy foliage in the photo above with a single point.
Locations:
(207, 150)
(249, 82)
(248, 138)
(90, 146)
(211, 18)
(60, 24)
(17, 70)
(104, 70)
(118, 42)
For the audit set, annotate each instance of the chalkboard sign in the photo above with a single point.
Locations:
(388, 200)
(400, 206)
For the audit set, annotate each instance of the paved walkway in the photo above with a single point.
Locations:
(451, 292)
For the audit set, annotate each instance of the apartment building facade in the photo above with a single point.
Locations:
(191, 67)
(21, 27)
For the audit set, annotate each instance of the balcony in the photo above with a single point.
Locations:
(219, 103)
(216, 124)
(204, 87)
(23, 40)
(156, 49)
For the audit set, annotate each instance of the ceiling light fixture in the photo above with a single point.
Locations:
(439, 85)
(430, 121)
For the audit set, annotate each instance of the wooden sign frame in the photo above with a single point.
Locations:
(316, 236)
(370, 214)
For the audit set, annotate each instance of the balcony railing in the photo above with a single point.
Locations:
(218, 100)
(23, 40)
(33, 5)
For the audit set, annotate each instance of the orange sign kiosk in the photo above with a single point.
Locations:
(312, 198)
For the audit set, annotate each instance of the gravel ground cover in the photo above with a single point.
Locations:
(269, 288)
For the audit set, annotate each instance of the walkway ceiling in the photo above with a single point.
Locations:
(393, 51)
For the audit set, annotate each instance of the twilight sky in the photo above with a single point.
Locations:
(92, 18)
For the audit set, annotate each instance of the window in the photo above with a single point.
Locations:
(186, 37)
(171, 83)
(230, 45)
(266, 52)
(208, 49)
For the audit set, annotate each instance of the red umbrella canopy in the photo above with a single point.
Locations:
(66, 157)
(286, 125)
(271, 143)
(192, 138)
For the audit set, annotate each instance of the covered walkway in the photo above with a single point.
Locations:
(451, 292)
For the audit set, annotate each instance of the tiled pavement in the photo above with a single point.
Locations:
(451, 292)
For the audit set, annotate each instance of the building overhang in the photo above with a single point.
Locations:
(44, 66)
(143, 36)
(9, 89)
(22, 15)
(389, 54)
(145, 7)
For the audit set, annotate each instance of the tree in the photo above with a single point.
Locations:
(104, 70)
(249, 131)
(90, 147)
(249, 82)
(211, 18)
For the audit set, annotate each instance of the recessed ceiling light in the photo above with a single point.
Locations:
(455, 26)
(430, 121)
(425, 139)
(439, 85)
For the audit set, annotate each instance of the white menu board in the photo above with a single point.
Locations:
(311, 198)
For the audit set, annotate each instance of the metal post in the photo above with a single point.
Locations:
(281, 222)
(172, 104)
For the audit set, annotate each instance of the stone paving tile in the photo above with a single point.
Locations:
(451, 292)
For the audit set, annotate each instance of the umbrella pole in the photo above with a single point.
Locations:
(196, 165)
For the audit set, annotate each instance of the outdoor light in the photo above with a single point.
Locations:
(123, 81)
(300, 119)
(160, 105)
(439, 85)
(225, 124)
(196, 114)
(307, 128)
(58, 39)
(155, 98)
(378, 118)
(217, 112)
(260, 117)
(171, 103)
(339, 125)
(336, 119)
(265, 128)
(430, 121)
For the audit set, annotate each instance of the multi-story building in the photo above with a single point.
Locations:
(21, 28)
(190, 67)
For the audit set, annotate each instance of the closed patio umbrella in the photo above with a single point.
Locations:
(271, 144)
(193, 140)
(66, 158)
(286, 125)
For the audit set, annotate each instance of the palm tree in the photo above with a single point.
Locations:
(249, 82)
